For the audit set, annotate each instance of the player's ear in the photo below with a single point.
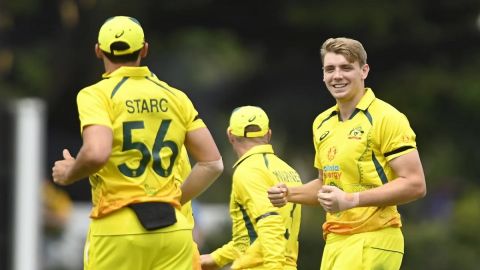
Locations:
(365, 70)
(144, 51)
(230, 135)
(98, 51)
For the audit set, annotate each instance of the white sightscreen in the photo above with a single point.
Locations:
(29, 155)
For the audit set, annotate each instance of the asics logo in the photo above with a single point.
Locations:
(324, 135)
(119, 34)
(252, 118)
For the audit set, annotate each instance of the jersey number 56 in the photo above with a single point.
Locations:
(129, 144)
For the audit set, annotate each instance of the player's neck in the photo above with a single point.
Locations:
(111, 67)
(244, 147)
(346, 110)
(347, 106)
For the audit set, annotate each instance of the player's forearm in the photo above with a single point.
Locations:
(305, 194)
(93, 155)
(396, 192)
(85, 165)
(226, 254)
(203, 174)
(408, 186)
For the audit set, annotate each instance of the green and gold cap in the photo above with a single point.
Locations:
(121, 29)
(245, 116)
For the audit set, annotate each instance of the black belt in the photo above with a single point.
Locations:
(154, 215)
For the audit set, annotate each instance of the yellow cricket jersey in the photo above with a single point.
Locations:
(149, 120)
(353, 155)
(263, 236)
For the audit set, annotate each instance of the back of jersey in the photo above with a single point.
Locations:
(149, 120)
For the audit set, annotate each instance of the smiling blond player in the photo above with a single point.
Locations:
(367, 162)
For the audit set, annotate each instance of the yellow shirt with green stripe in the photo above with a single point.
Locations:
(353, 155)
(263, 236)
(149, 120)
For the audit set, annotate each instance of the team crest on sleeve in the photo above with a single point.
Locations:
(356, 133)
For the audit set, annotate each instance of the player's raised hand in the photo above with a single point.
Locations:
(278, 195)
(61, 168)
(333, 199)
(67, 155)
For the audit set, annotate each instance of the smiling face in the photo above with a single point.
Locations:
(345, 69)
(345, 80)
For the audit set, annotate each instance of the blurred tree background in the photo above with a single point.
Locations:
(424, 57)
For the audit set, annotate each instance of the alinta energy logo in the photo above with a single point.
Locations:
(356, 133)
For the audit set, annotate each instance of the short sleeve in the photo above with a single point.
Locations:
(93, 108)
(192, 118)
(397, 137)
(252, 185)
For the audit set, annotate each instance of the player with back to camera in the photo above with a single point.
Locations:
(367, 162)
(263, 236)
(133, 126)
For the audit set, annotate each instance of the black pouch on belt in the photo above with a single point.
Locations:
(154, 215)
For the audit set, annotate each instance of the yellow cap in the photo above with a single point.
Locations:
(121, 29)
(245, 116)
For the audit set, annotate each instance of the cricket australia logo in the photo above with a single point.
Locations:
(356, 133)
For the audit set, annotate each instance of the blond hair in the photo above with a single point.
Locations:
(351, 49)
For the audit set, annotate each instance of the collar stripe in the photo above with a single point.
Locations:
(119, 84)
(330, 116)
(161, 86)
(369, 116)
(265, 159)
